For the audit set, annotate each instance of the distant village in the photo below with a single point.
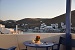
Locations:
(42, 28)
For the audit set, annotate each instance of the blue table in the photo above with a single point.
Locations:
(42, 45)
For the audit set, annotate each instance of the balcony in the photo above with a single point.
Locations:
(8, 40)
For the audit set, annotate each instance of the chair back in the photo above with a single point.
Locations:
(62, 41)
(11, 48)
(73, 42)
(2, 49)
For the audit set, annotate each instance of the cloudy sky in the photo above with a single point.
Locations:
(19, 9)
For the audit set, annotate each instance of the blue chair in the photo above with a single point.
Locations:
(11, 48)
(61, 41)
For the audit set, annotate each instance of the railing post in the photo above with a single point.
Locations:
(68, 24)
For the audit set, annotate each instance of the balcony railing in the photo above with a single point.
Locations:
(7, 40)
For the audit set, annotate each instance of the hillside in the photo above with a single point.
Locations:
(36, 21)
(0, 20)
(62, 18)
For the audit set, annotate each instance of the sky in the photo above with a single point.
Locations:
(19, 9)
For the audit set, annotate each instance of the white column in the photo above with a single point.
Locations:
(16, 28)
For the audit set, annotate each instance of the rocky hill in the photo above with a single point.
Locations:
(0, 21)
(62, 18)
(37, 21)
